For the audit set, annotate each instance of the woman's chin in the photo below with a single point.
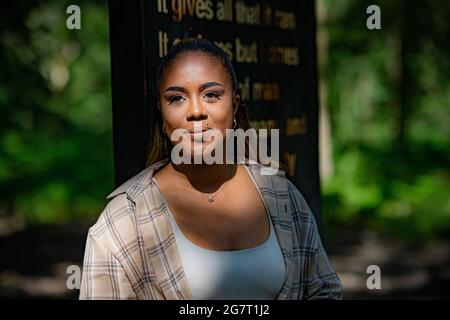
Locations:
(202, 150)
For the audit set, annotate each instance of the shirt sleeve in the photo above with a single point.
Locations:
(103, 276)
(320, 280)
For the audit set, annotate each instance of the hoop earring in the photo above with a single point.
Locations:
(235, 123)
(163, 128)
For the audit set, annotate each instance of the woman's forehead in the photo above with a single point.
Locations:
(196, 67)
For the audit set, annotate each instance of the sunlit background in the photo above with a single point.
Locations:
(384, 143)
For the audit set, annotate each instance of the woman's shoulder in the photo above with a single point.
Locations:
(117, 223)
(276, 182)
(114, 224)
(137, 183)
(269, 177)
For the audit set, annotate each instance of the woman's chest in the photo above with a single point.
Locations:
(235, 220)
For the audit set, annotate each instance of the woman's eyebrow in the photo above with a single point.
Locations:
(202, 87)
(181, 89)
(209, 84)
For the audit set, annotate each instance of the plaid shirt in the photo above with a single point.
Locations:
(131, 251)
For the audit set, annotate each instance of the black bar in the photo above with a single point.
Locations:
(129, 99)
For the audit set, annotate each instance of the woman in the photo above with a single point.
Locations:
(204, 231)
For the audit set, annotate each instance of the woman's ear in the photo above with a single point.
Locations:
(236, 103)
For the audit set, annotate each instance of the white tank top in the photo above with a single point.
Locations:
(253, 273)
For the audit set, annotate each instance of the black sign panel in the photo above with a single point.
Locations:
(272, 46)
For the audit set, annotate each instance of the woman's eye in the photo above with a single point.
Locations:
(174, 99)
(212, 95)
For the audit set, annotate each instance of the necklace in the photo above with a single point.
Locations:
(211, 196)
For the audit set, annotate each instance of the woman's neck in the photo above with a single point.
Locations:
(204, 177)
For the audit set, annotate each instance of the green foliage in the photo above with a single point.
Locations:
(388, 97)
(55, 112)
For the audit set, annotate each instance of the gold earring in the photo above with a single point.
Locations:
(235, 123)
(163, 128)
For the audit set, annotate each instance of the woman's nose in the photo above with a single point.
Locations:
(196, 110)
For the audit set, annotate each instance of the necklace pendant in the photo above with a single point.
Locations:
(210, 198)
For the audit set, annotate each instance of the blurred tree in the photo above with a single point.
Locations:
(388, 96)
(55, 118)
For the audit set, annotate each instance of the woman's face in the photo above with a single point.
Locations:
(196, 90)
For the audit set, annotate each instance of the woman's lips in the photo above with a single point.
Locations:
(202, 135)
